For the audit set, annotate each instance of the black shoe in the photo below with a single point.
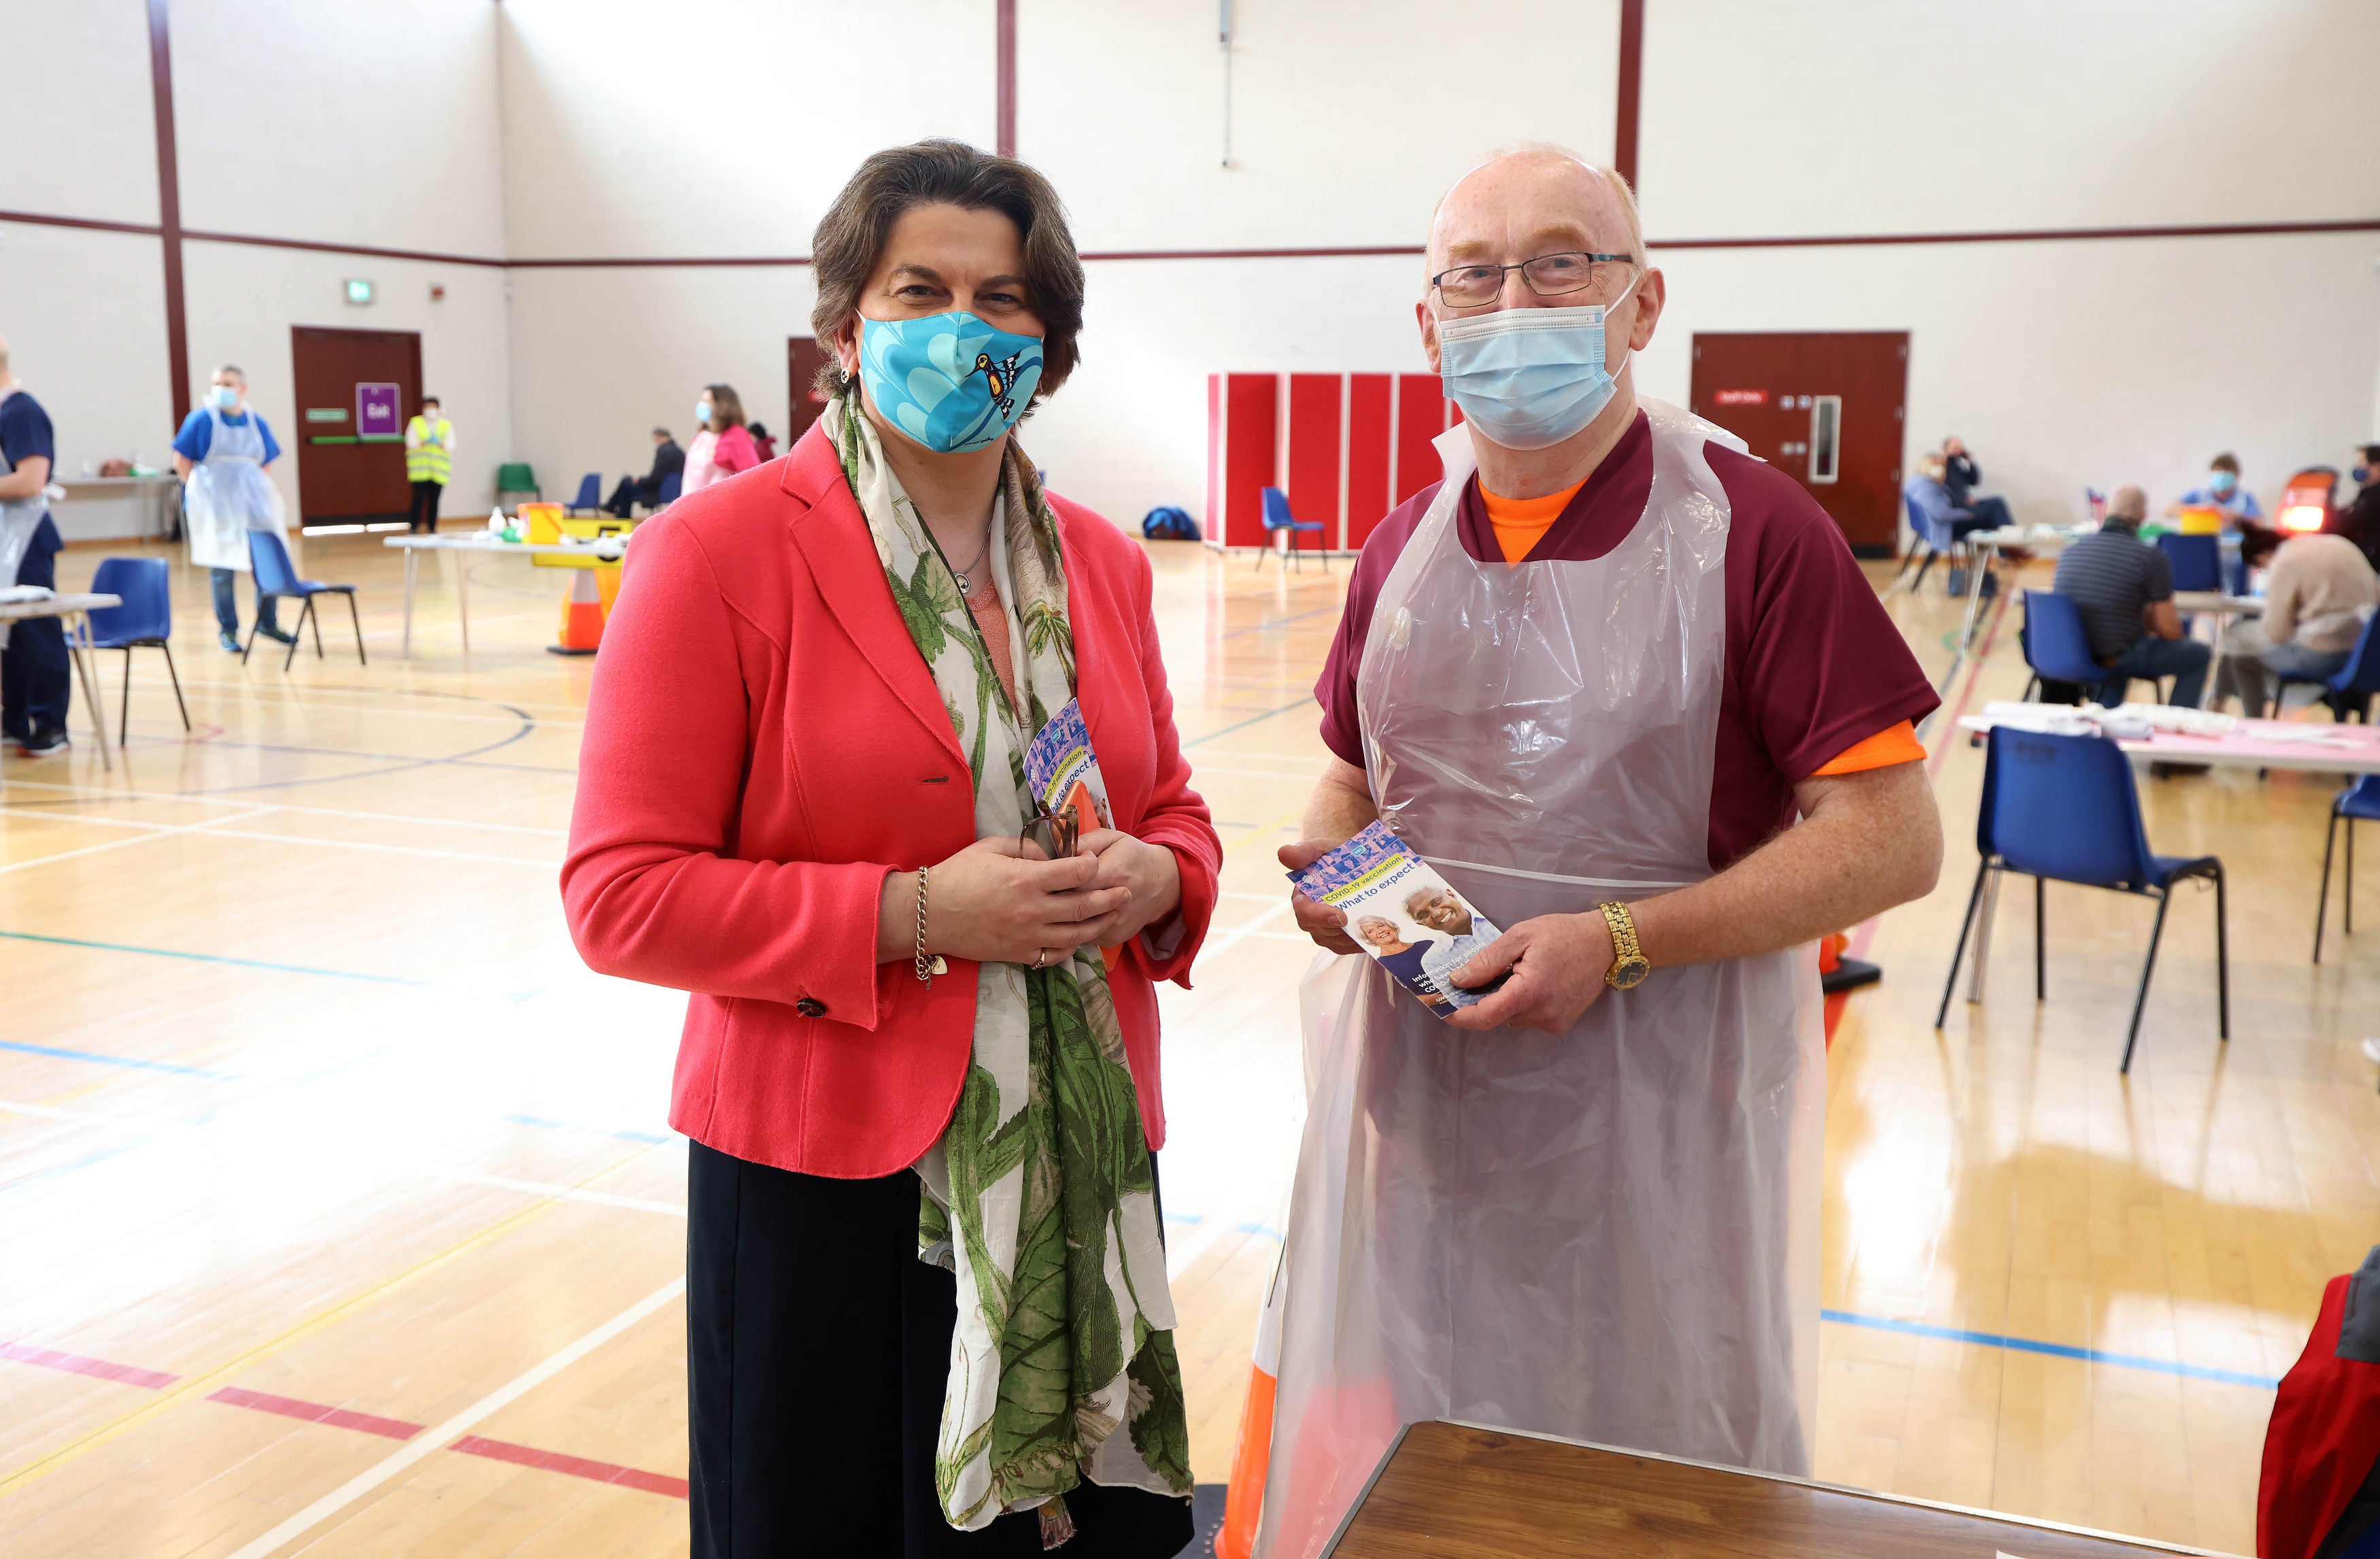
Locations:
(2159, 769)
(45, 742)
(277, 636)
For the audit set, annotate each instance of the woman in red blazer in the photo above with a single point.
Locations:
(785, 726)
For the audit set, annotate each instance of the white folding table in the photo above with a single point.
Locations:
(465, 544)
(74, 613)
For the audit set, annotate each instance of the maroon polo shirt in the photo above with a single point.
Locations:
(1813, 664)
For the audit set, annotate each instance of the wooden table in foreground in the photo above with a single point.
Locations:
(1453, 1491)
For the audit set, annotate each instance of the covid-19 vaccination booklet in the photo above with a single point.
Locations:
(1404, 914)
(1064, 772)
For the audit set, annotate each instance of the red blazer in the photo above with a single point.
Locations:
(763, 745)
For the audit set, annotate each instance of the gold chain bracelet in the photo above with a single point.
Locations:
(926, 966)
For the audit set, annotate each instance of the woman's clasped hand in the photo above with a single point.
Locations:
(1006, 902)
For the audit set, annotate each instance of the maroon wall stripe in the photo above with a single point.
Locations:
(1838, 240)
(169, 211)
(1005, 46)
(1631, 80)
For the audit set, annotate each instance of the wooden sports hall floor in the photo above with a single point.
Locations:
(337, 1214)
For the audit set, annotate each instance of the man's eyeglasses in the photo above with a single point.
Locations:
(1471, 287)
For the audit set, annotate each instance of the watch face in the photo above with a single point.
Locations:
(1628, 973)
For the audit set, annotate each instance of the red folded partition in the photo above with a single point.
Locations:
(1346, 447)
(1371, 416)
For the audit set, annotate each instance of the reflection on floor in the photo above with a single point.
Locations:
(337, 1208)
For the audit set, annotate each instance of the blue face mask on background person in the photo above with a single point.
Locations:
(702, 414)
(949, 381)
(2222, 482)
(226, 398)
(1529, 377)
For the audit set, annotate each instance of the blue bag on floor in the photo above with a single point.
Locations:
(1166, 523)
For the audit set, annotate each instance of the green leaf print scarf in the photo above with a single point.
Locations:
(1041, 1196)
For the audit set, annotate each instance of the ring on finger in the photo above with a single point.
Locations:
(1041, 956)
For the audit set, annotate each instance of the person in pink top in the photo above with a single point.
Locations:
(722, 447)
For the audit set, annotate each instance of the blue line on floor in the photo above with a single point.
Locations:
(2055, 1350)
(133, 1060)
(211, 958)
(1252, 720)
(655, 1137)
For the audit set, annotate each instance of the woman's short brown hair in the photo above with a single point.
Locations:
(850, 239)
(726, 406)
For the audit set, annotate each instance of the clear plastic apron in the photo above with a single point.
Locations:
(1612, 1233)
(228, 494)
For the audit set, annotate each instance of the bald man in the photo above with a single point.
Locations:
(2123, 588)
(1623, 685)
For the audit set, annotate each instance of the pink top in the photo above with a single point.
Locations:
(717, 457)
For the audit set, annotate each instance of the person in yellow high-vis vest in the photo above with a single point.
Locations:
(428, 461)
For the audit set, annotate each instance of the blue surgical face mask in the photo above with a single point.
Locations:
(2223, 482)
(702, 413)
(2363, 474)
(1530, 378)
(949, 381)
(226, 397)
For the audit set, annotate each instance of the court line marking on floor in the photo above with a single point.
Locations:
(567, 1193)
(319, 1321)
(204, 800)
(217, 829)
(1306, 702)
(576, 1467)
(442, 1435)
(2054, 1350)
(60, 1053)
(211, 958)
(162, 832)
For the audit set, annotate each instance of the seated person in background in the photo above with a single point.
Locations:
(762, 445)
(1962, 476)
(2320, 590)
(2123, 588)
(2360, 521)
(632, 490)
(1929, 487)
(2222, 492)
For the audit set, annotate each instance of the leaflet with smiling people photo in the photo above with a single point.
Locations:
(1404, 915)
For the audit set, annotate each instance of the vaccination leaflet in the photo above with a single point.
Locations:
(1064, 772)
(1404, 914)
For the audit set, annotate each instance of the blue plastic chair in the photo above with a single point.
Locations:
(1278, 520)
(144, 621)
(2197, 561)
(590, 493)
(1938, 535)
(2359, 801)
(2055, 645)
(2350, 692)
(2065, 807)
(672, 485)
(275, 579)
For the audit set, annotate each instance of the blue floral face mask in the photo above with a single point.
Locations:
(949, 381)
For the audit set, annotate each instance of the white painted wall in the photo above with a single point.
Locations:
(583, 128)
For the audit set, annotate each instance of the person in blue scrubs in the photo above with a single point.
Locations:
(34, 685)
(2222, 492)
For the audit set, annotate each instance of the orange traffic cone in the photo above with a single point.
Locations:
(1244, 1501)
(582, 615)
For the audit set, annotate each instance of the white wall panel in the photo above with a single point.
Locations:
(352, 123)
(81, 139)
(1348, 119)
(2085, 363)
(1829, 116)
(84, 315)
(724, 131)
(243, 300)
(602, 357)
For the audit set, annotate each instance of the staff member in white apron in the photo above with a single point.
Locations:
(1594, 684)
(222, 454)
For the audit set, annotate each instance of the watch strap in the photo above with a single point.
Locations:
(1626, 954)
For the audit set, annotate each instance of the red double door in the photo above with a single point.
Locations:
(1345, 447)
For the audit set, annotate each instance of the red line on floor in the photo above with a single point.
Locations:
(577, 1467)
(316, 1412)
(75, 1364)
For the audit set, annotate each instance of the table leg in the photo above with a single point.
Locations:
(412, 568)
(75, 634)
(463, 596)
(1979, 556)
(1984, 936)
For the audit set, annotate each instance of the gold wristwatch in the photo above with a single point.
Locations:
(1628, 965)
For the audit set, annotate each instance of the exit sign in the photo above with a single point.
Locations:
(358, 291)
